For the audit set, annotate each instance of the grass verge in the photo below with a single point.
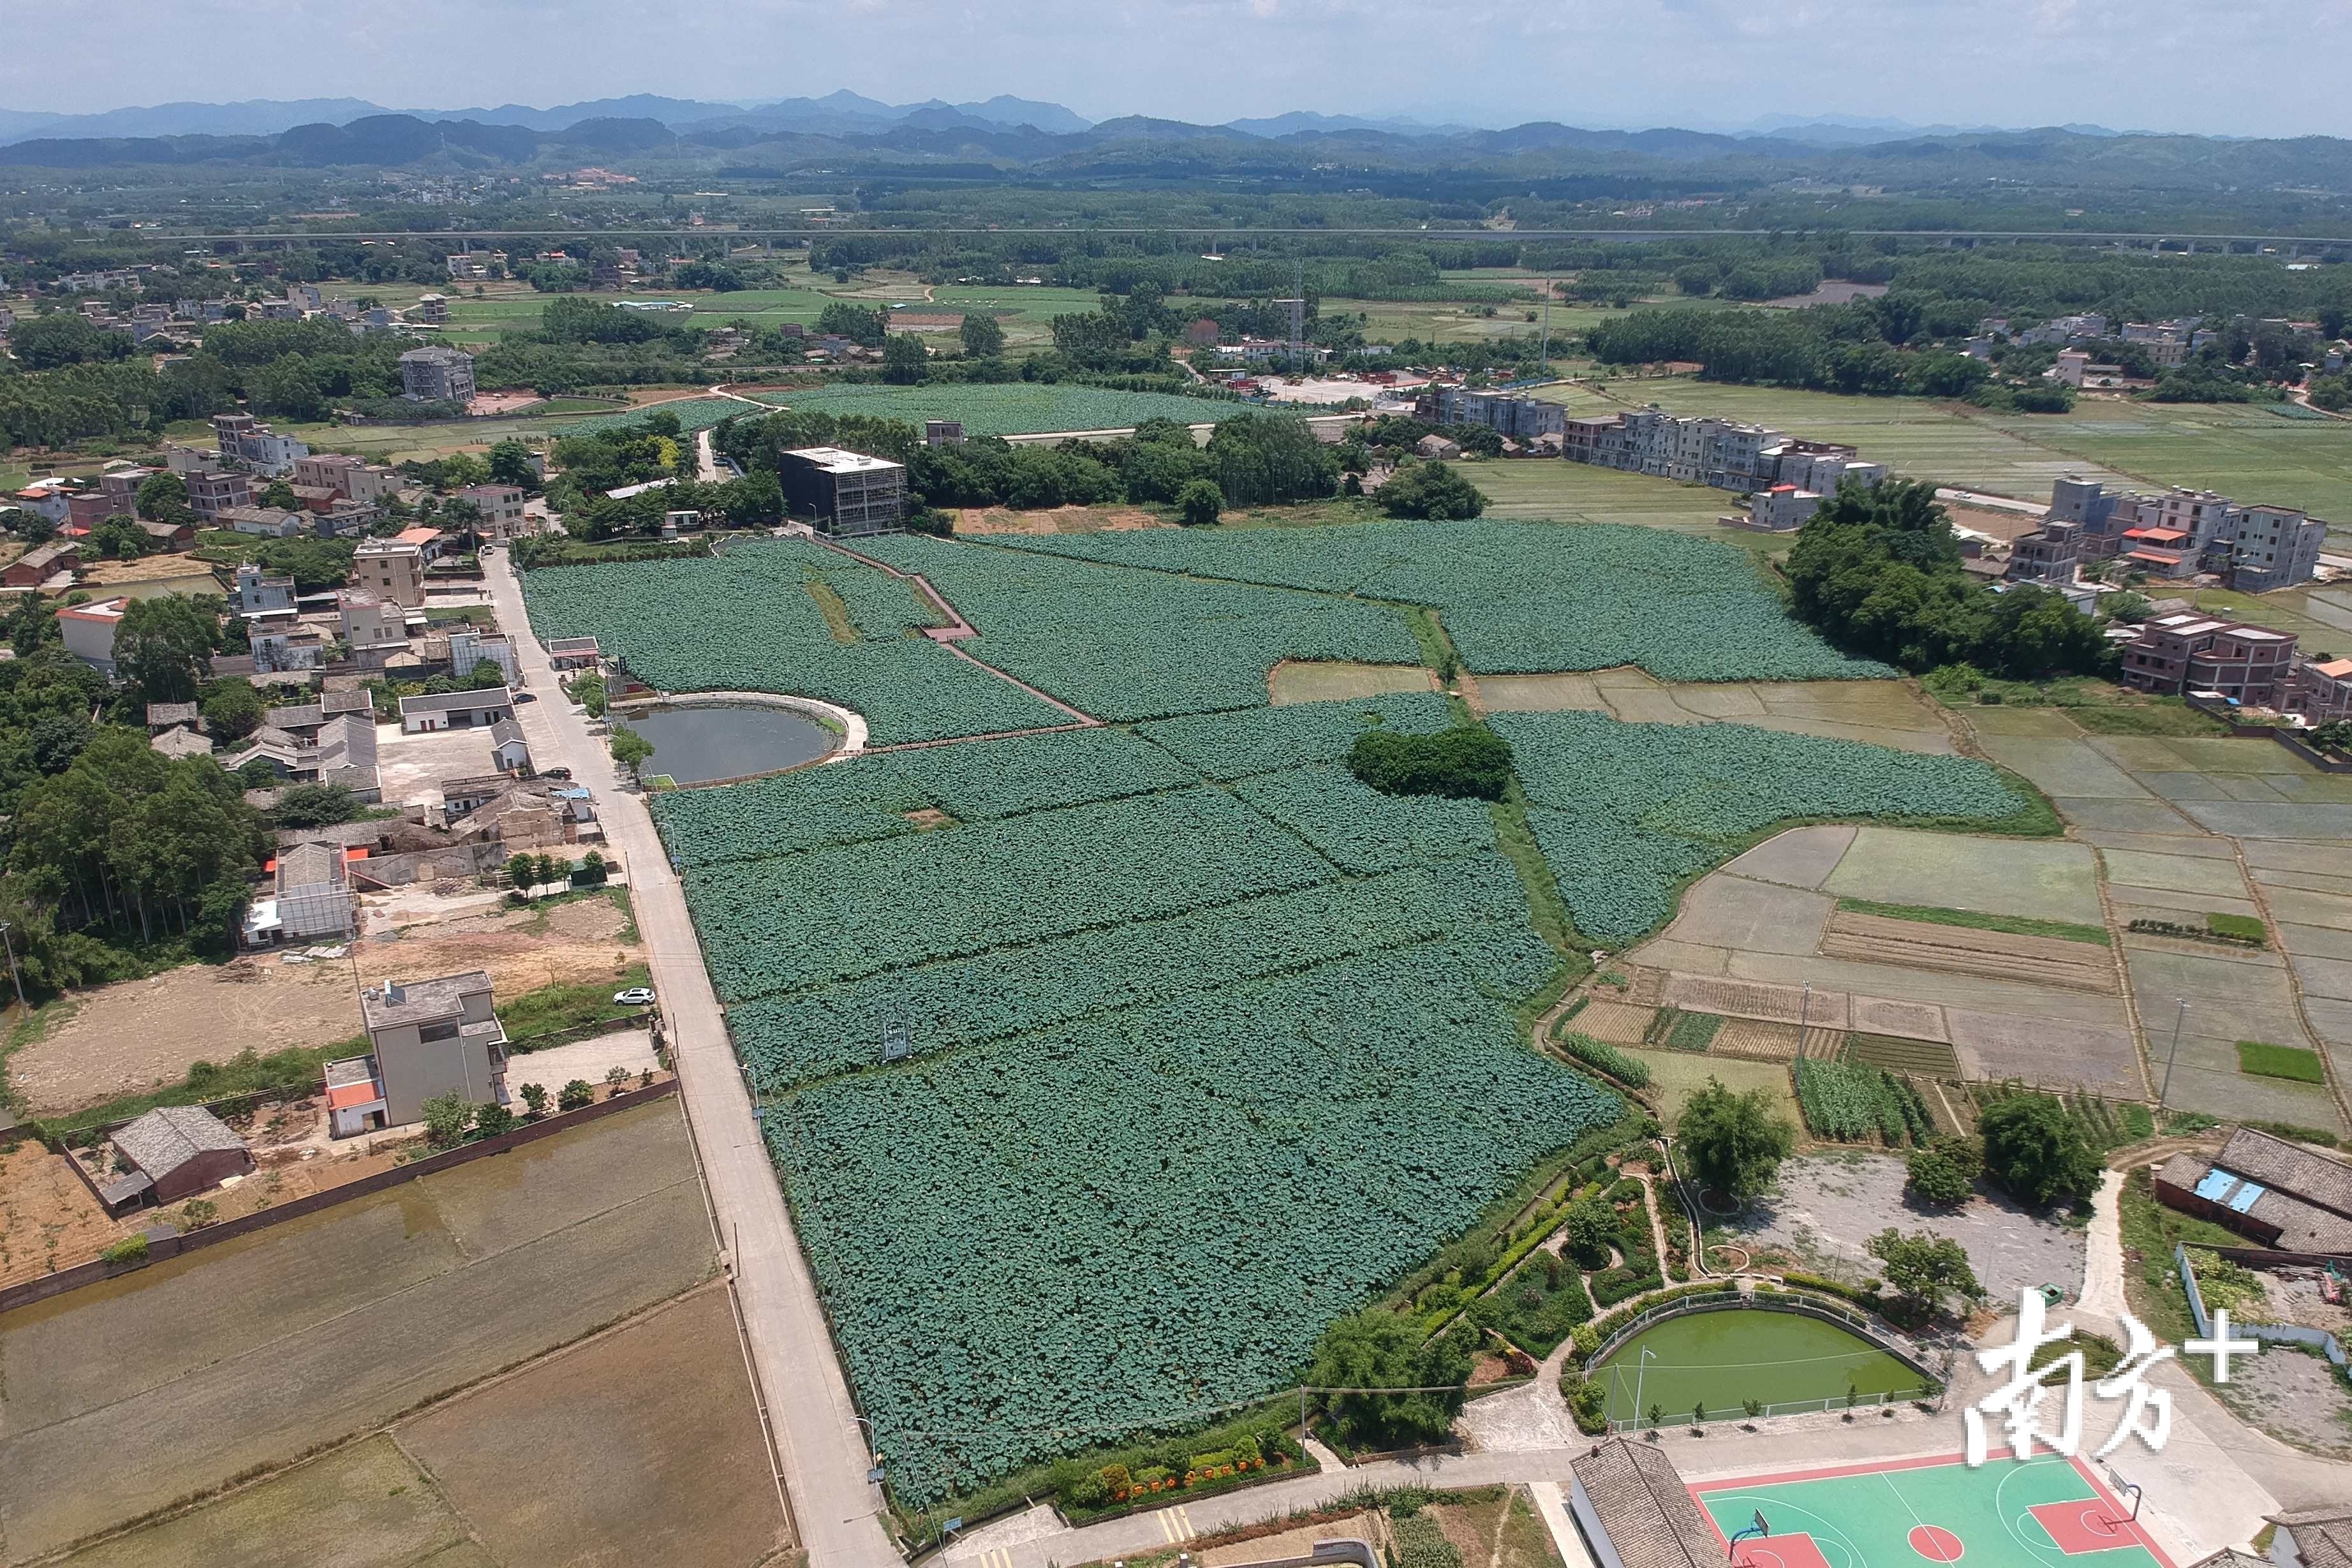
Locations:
(552, 1009)
(2014, 925)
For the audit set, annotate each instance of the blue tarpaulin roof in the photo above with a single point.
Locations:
(2214, 1184)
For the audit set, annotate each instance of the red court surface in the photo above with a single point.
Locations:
(2090, 1524)
(1792, 1551)
(1937, 1545)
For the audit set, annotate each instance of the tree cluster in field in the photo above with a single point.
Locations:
(1250, 461)
(1877, 571)
(1379, 1349)
(1468, 762)
(1733, 1143)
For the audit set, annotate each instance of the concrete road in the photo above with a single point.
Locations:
(820, 1444)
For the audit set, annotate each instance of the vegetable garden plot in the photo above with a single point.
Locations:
(1231, 746)
(1359, 828)
(1126, 644)
(1475, 902)
(1074, 1233)
(868, 797)
(853, 909)
(1623, 812)
(743, 621)
(1520, 598)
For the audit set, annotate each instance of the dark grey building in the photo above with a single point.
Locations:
(847, 492)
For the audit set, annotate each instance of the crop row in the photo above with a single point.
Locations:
(1474, 903)
(1123, 1222)
(852, 910)
(1624, 811)
(1266, 740)
(1125, 645)
(1521, 597)
(1851, 1101)
(745, 621)
(869, 796)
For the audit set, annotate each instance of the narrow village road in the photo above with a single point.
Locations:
(819, 1441)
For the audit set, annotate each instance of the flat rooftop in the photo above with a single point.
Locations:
(835, 460)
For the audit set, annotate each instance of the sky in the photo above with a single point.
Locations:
(2236, 69)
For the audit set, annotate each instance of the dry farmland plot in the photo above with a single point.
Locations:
(173, 1379)
(1882, 712)
(642, 1445)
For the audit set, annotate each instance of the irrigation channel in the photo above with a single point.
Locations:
(1787, 1362)
(705, 743)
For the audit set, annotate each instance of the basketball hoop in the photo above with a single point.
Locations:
(1759, 1526)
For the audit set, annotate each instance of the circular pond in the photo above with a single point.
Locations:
(1783, 1360)
(705, 742)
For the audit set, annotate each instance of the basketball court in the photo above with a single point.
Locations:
(2047, 1512)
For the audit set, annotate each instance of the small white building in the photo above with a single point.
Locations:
(89, 632)
(455, 710)
(509, 751)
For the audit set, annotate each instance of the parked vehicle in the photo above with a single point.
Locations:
(635, 996)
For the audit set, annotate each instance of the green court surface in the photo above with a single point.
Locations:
(2041, 1513)
(1785, 1362)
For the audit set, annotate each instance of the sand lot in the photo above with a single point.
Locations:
(131, 1036)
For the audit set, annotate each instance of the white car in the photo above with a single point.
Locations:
(635, 996)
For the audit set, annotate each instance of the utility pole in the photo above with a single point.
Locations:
(2172, 1055)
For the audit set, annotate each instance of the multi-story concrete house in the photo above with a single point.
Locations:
(427, 1039)
(2189, 652)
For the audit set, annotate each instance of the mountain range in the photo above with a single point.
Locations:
(838, 112)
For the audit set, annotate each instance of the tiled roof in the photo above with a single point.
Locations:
(2287, 1167)
(458, 701)
(2322, 1536)
(1642, 1505)
(170, 1136)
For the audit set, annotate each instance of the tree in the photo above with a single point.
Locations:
(1468, 762)
(905, 361)
(534, 1100)
(314, 805)
(163, 498)
(1199, 504)
(510, 465)
(629, 748)
(120, 538)
(164, 647)
(279, 495)
(1377, 1349)
(2036, 1150)
(522, 872)
(983, 335)
(233, 710)
(2126, 606)
(573, 1096)
(1435, 491)
(1945, 1173)
(490, 1121)
(1924, 1269)
(447, 1117)
(591, 872)
(1735, 1142)
(1591, 1230)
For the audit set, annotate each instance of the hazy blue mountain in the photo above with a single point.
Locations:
(1301, 119)
(260, 117)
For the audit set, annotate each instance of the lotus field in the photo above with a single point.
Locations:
(1517, 597)
(1126, 644)
(1104, 1067)
(1624, 813)
(747, 621)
